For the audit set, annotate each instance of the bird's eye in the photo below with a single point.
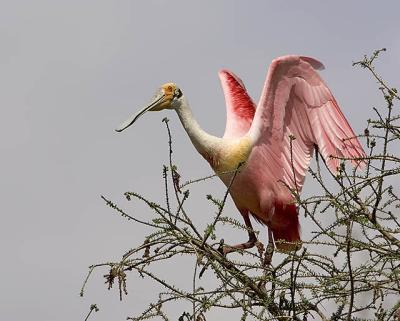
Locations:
(178, 93)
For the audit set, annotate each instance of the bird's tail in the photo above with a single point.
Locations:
(285, 227)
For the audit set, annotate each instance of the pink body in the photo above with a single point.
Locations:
(295, 102)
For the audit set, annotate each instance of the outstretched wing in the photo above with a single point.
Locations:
(297, 111)
(240, 108)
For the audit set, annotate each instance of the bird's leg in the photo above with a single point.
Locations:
(270, 249)
(252, 236)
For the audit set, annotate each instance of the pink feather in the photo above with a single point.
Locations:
(296, 102)
(240, 108)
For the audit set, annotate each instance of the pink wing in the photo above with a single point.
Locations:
(296, 102)
(240, 108)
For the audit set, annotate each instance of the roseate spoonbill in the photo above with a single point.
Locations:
(276, 139)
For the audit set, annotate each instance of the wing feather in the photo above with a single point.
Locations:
(295, 102)
(240, 108)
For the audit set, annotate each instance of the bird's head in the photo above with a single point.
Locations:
(168, 96)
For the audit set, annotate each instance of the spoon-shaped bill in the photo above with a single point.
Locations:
(153, 106)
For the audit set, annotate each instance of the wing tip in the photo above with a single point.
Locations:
(223, 72)
(226, 74)
(316, 64)
(354, 155)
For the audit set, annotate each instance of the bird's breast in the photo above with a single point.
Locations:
(231, 154)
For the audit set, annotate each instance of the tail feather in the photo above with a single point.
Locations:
(285, 227)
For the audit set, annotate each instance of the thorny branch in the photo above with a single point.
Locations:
(348, 269)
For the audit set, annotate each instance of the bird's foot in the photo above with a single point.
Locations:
(238, 247)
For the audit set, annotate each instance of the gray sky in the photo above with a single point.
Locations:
(71, 71)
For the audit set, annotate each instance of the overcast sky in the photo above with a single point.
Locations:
(71, 71)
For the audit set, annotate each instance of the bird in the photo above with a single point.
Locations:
(273, 141)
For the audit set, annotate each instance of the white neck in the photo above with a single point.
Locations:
(202, 141)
